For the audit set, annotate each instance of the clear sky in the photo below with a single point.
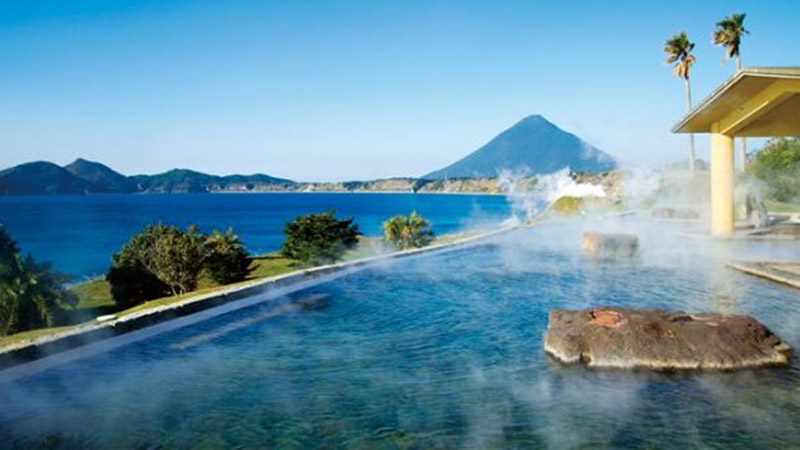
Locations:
(333, 90)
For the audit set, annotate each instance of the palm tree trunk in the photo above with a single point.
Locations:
(738, 62)
(691, 136)
(743, 156)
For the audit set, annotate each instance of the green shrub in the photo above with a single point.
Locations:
(227, 260)
(778, 165)
(30, 292)
(131, 282)
(319, 238)
(576, 205)
(163, 260)
(568, 205)
(160, 258)
(408, 232)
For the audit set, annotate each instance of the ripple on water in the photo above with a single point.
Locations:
(440, 351)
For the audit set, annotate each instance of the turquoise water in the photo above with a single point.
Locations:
(438, 351)
(79, 233)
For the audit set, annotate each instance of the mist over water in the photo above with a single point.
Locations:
(530, 197)
(442, 350)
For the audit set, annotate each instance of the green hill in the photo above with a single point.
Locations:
(89, 177)
(101, 177)
(189, 181)
(41, 177)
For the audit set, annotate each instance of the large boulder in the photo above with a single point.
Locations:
(606, 244)
(661, 340)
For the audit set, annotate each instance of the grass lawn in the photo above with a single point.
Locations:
(31, 334)
(780, 207)
(95, 295)
(94, 298)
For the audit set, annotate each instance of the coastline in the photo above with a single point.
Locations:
(233, 192)
(335, 192)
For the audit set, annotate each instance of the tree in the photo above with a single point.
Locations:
(408, 232)
(30, 292)
(173, 257)
(319, 238)
(131, 282)
(227, 260)
(163, 260)
(729, 34)
(679, 52)
(778, 165)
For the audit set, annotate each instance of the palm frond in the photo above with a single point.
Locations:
(678, 49)
(729, 32)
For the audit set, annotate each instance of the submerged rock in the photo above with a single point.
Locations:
(604, 244)
(661, 340)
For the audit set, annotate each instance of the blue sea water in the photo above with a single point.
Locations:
(78, 234)
(435, 351)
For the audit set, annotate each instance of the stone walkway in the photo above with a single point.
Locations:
(782, 272)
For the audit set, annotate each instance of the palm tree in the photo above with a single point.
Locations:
(729, 33)
(30, 292)
(679, 53)
(408, 232)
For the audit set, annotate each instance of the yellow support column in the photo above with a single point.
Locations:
(722, 215)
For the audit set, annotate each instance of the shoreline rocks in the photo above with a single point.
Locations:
(623, 338)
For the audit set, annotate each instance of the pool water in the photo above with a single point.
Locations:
(437, 351)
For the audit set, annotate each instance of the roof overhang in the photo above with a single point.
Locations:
(756, 101)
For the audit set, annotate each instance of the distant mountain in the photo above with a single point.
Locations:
(186, 181)
(41, 177)
(175, 181)
(534, 145)
(101, 177)
(89, 177)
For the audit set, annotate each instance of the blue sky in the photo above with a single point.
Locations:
(333, 90)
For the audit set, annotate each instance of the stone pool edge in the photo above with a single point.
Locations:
(94, 331)
(763, 270)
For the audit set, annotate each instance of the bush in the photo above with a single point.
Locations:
(319, 238)
(131, 282)
(160, 258)
(30, 292)
(568, 205)
(778, 165)
(227, 260)
(163, 260)
(408, 232)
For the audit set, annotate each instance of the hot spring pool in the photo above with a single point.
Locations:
(443, 350)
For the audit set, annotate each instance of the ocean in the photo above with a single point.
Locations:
(79, 233)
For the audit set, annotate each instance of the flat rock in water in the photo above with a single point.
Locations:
(661, 340)
(609, 244)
